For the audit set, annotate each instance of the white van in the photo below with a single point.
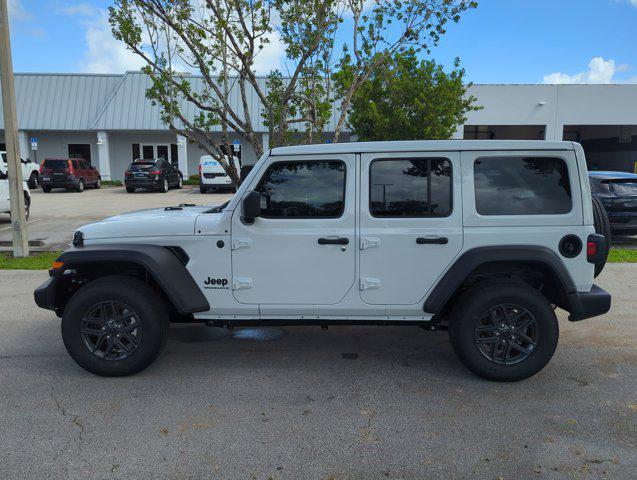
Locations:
(212, 176)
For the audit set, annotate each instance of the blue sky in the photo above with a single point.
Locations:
(503, 41)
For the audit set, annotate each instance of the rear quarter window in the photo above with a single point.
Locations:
(518, 185)
(56, 164)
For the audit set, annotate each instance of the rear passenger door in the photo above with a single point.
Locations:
(410, 224)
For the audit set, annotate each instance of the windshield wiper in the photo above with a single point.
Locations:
(218, 208)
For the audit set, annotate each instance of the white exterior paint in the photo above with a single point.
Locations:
(182, 153)
(554, 106)
(104, 156)
(277, 270)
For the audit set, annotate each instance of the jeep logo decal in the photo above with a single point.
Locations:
(216, 283)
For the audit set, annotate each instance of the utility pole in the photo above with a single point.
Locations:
(14, 169)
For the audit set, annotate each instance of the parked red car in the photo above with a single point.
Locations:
(69, 173)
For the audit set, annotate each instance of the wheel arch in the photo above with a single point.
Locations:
(162, 267)
(535, 265)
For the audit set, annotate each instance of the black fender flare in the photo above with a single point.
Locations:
(474, 258)
(162, 264)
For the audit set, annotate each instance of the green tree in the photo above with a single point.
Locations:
(409, 99)
(220, 41)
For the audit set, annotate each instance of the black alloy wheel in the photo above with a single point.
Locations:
(506, 334)
(111, 330)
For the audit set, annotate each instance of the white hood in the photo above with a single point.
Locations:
(156, 222)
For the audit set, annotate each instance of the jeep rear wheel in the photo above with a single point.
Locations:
(115, 326)
(503, 331)
(602, 227)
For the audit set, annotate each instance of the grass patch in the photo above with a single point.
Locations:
(37, 261)
(192, 180)
(622, 255)
(112, 183)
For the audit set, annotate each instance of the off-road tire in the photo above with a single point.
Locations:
(27, 206)
(602, 227)
(466, 317)
(33, 181)
(142, 299)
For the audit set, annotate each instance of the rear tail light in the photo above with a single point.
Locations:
(595, 248)
(127, 172)
(200, 170)
(155, 172)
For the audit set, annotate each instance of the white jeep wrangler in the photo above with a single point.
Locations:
(485, 238)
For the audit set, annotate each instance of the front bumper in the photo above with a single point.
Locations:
(45, 294)
(585, 305)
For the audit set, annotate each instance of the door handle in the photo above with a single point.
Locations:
(432, 240)
(333, 241)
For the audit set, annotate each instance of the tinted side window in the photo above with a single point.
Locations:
(304, 189)
(522, 186)
(419, 187)
(75, 164)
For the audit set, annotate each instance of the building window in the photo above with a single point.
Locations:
(522, 186)
(80, 150)
(417, 187)
(308, 189)
(136, 152)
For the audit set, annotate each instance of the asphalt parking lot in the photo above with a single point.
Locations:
(301, 403)
(56, 215)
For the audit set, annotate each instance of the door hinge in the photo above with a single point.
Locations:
(238, 243)
(369, 242)
(369, 284)
(241, 283)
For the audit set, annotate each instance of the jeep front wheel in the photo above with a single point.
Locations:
(503, 331)
(115, 326)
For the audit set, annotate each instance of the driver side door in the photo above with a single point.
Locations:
(302, 249)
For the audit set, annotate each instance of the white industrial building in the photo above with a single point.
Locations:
(108, 120)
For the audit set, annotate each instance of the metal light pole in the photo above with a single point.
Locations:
(14, 170)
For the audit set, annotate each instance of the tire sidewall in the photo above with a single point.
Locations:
(475, 303)
(136, 295)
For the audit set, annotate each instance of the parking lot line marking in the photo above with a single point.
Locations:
(30, 221)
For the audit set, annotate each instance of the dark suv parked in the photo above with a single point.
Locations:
(69, 173)
(156, 174)
(618, 193)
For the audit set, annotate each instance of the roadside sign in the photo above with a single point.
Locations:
(236, 144)
(34, 143)
(328, 141)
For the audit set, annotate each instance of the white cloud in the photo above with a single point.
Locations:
(17, 10)
(599, 71)
(82, 9)
(103, 54)
(634, 3)
(271, 55)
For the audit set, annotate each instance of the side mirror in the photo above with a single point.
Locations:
(251, 206)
